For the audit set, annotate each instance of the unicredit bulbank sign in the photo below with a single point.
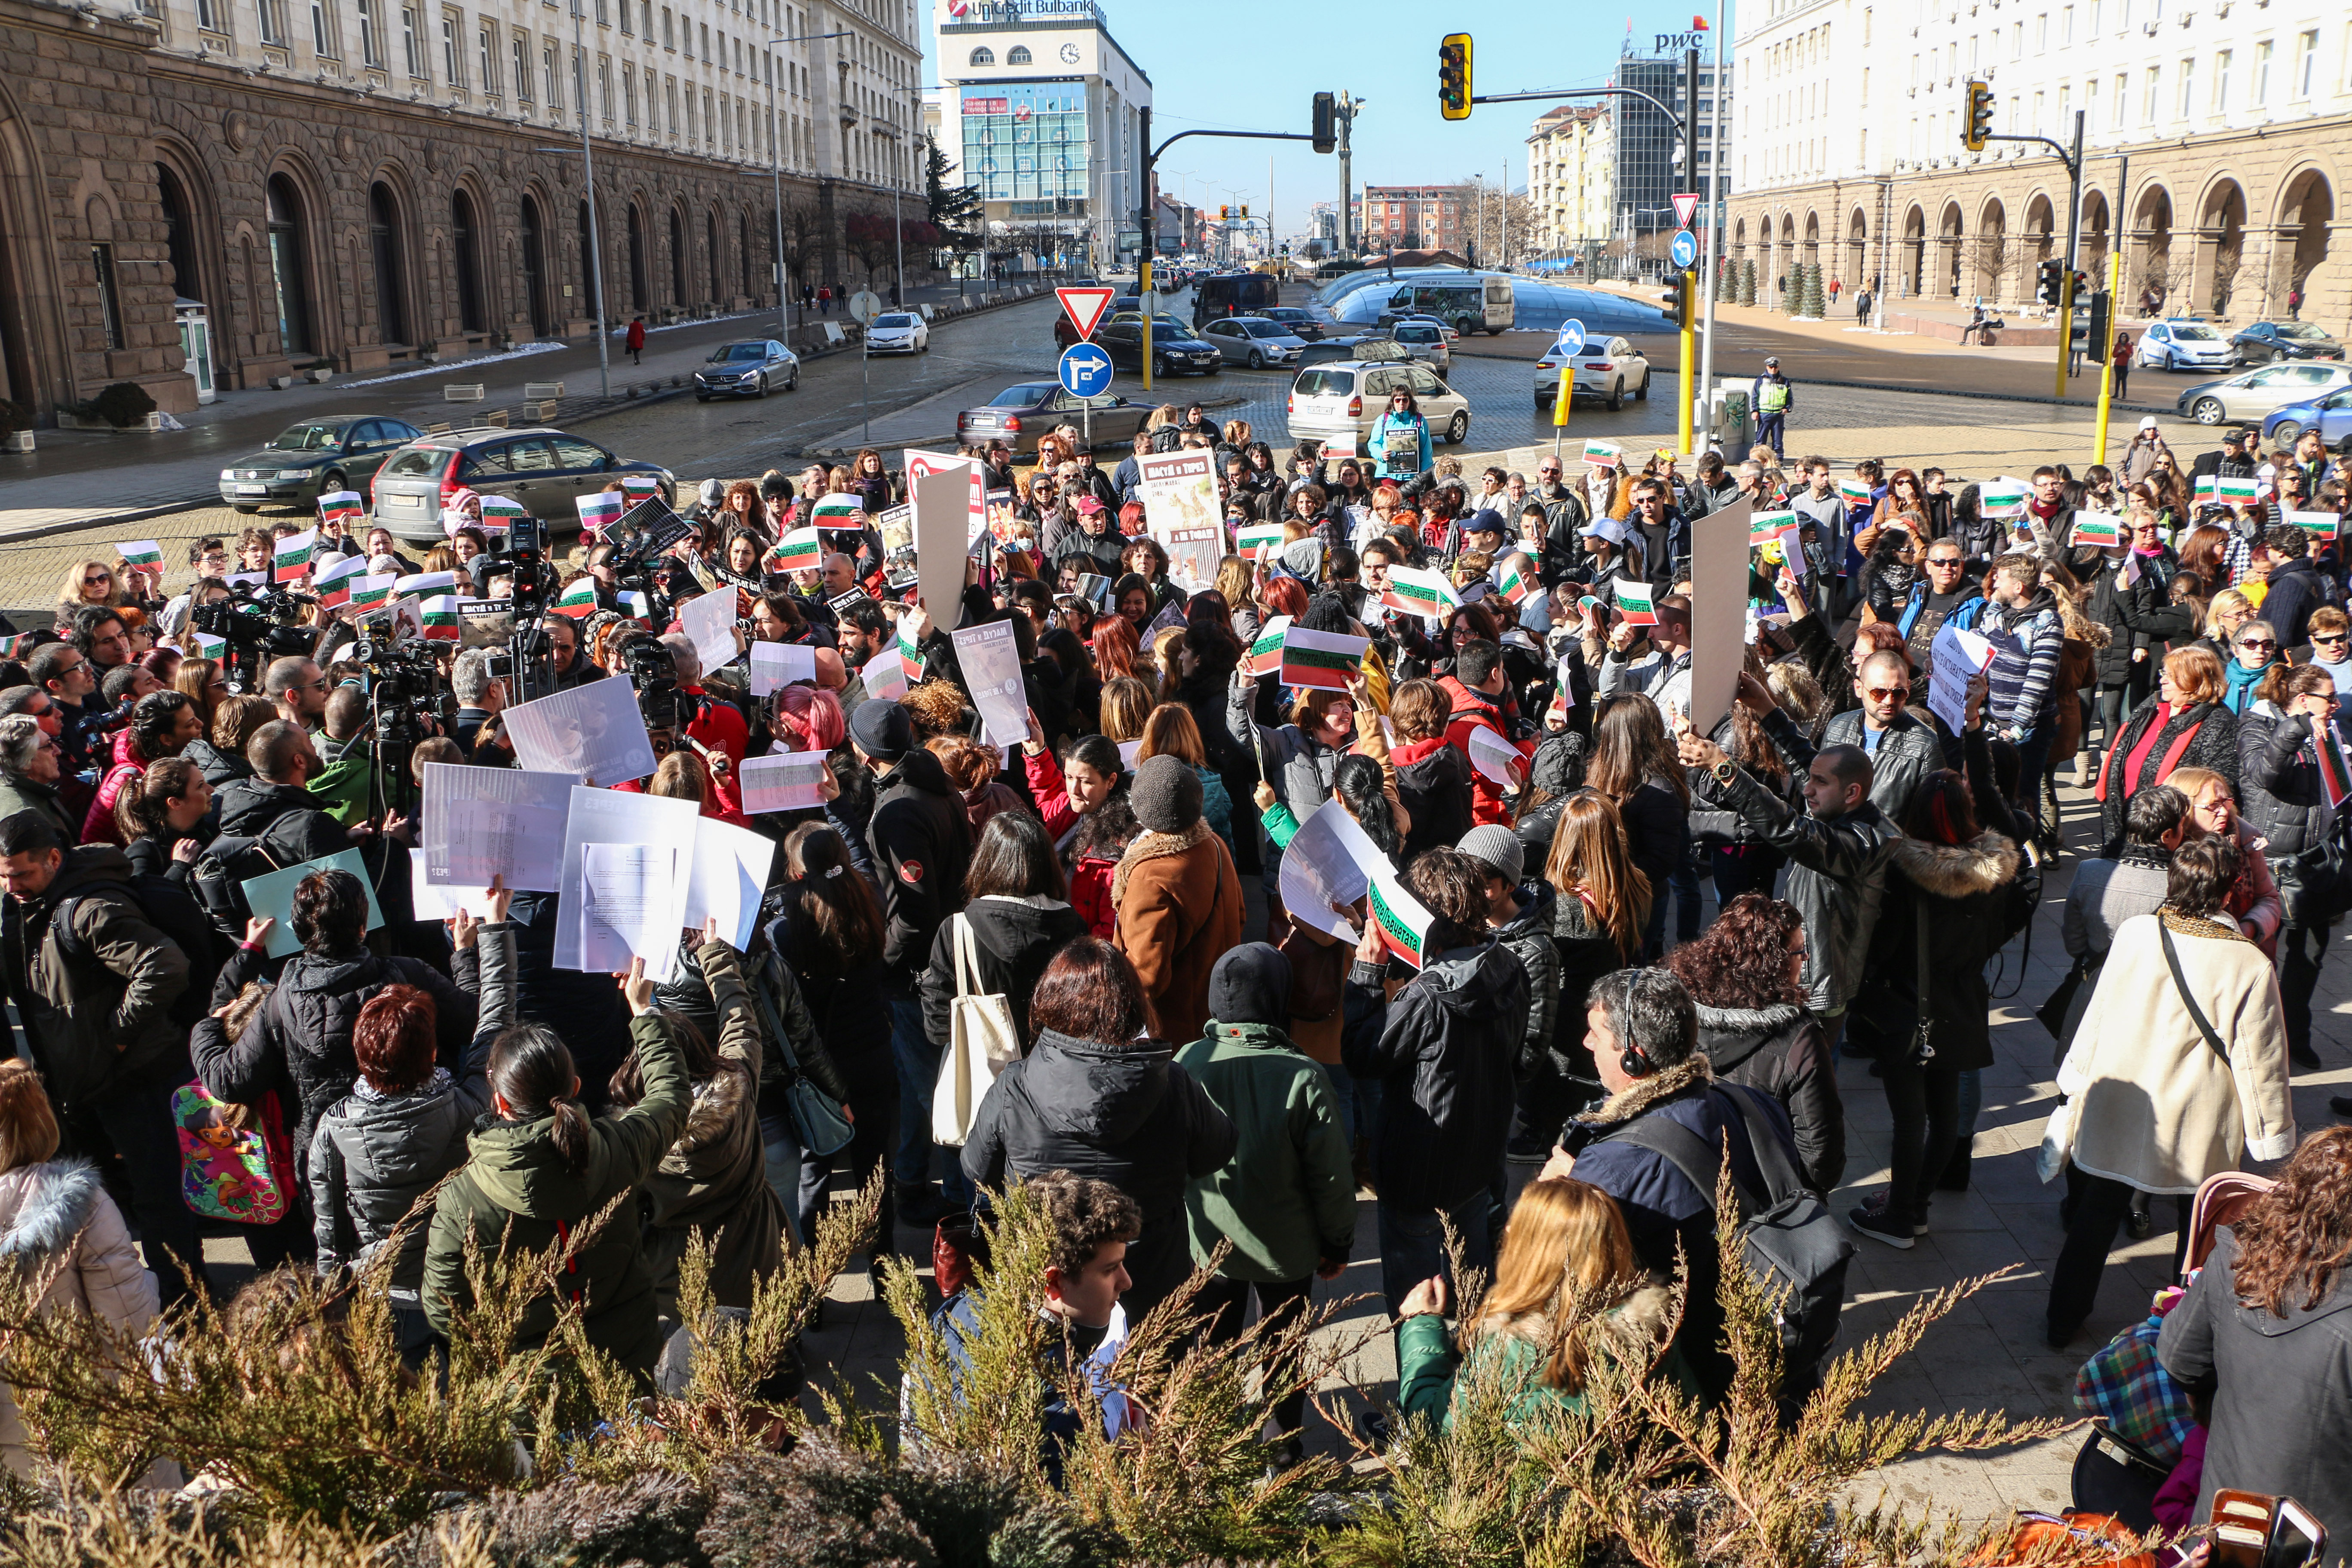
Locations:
(1003, 12)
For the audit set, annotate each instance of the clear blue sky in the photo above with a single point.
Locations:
(1256, 65)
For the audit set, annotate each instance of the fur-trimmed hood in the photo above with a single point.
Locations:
(1151, 844)
(1957, 870)
(64, 1194)
(1657, 1088)
(1633, 1331)
(1748, 1020)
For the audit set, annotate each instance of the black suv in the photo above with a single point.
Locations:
(546, 471)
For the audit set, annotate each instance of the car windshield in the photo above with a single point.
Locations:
(741, 351)
(1023, 396)
(308, 438)
(893, 321)
(2302, 332)
(2194, 334)
(1326, 383)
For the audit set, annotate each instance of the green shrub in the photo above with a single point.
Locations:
(122, 405)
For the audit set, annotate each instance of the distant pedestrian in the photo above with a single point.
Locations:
(2294, 300)
(1772, 397)
(825, 299)
(1834, 287)
(808, 295)
(637, 339)
(2122, 358)
(1861, 302)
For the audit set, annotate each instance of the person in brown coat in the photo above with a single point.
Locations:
(1178, 897)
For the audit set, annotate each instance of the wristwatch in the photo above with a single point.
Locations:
(1723, 772)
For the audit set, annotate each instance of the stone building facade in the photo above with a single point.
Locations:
(320, 218)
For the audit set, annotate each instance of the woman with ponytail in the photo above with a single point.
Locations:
(541, 1176)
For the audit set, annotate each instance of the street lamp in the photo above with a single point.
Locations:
(776, 169)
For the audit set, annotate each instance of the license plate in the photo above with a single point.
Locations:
(253, 490)
(405, 504)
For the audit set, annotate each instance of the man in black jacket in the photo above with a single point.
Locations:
(2231, 462)
(275, 801)
(922, 846)
(2296, 588)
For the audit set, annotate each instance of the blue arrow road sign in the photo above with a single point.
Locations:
(1085, 371)
(1572, 338)
(1684, 248)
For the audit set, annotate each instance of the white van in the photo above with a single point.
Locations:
(1347, 399)
(1470, 305)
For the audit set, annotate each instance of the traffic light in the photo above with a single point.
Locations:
(2081, 289)
(1677, 301)
(1454, 76)
(1225, 214)
(1978, 128)
(1246, 213)
(2102, 334)
(1326, 130)
(2045, 281)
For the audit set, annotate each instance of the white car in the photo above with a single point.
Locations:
(1425, 340)
(1346, 399)
(1608, 367)
(2183, 344)
(899, 332)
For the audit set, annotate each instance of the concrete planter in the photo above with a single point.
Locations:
(17, 441)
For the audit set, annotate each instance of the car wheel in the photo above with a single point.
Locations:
(1457, 429)
(1158, 367)
(246, 510)
(2209, 411)
(332, 480)
(793, 384)
(1465, 327)
(1256, 360)
(1642, 392)
(1617, 394)
(1543, 403)
(2284, 433)
(764, 383)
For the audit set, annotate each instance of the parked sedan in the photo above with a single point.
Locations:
(1174, 345)
(1021, 412)
(1606, 368)
(2184, 344)
(2330, 414)
(2266, 340)
(1300, 320)
(1254, 341)
(899, 332)
(546, 471)
(2250, 393)
(751, 368)
(315, 458)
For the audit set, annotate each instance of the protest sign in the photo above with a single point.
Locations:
(271, 897)
(1320, 658)
(992, 675)
(709, 622)
(644, 901)
(1325, 868)
(482, 823)
(729, 873)
(1718, 612)
(1181, 510)
(592, 731)
(786, 781)
(290, 558)
(885, 675)
(428, 902)
(1495, 757)
(775, 665)
(1956, 658)
(946, 495)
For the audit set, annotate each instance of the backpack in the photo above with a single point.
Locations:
(170, 909)
(1788, 1237)
(232, 860)
(235, 1162)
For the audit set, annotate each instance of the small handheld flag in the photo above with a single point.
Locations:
(2240, 489)
(838, 512)
(334, 582)
(1266, 653)
(885, 676)
(2001, 498)
(640, 487)
(1636, 602)
(1511, 581)
(2103, 529)
(1766, 526)
(2334, 771)
(343, 507)
(634, 605)
(1259, 540)
(2318, 524)
(1854, 491)
(290, 560)
(140, 552)
(1323, 659)
(1420, 592)
(370, 592)
(799, 551)
(499, 513)
(1398, 917)
(577, 600)
(423, 583)
(440, 617)
(1602, 454)
(600, 510)
(911, 652)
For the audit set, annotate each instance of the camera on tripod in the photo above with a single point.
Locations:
(257, 627)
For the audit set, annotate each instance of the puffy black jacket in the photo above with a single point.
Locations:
(2141, 616)
(1779, 1050)
(2280, 793)
(302, 1036)
(1443, 1047)
(250, 808)
(922, 845)
(1012, 939)
(2296, 588)
(1960, 890)
(1435, 787)
(220, 768)
(2213, 745)
(95, 990)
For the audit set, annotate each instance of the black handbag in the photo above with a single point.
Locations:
(2061, 1002)
(817, 1120)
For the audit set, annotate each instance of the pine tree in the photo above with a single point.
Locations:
(1748, 282)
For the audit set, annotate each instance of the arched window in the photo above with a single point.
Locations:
(466, 252)
(384, 247)
(1018, 55)
(179, 236)
(984, 57)
(289, 267)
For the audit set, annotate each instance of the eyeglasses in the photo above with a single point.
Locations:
(1888, 694)
(2257, 642)
(92, 580)
(2331, 636)
(1943, 561)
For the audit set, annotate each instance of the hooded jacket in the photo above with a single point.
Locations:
(922, 847)
(2282, 796)
(1444, 1047)
(1286, 1197)
(56, 1215)
(516, 1192)
(375, 1155)
(2140, 617)
(1434, 786)
(2280, 1388)
(2024, 669)
(1012, 939)
(220, 768)
(95, 993)
(1961, 891)
(250, 808)
(1779, 1050)
(1476, 710)
(1180, 909)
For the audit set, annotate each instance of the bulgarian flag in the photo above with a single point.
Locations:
(425, 583)
(1511, 579)
(1854, 491)
(1320, 658)
(2001, 498)
(1602, 454)
(334, 584)
(910, 653)
(2102, 529)
(2236, 489)
(885, 676)
(345, 506)
(292, 558)
(369, 593)
(20, 645)
(1398, 917)
(1420, 592)
(2334, 772)
(440, 617)
(500, 512)
(2204, 491)
(2318, 524)
(1266, 653)
(838, 512)
(600, 510)
(577, 600)
(1636, 602)
(1763, 527)
(1259, 540)
(639, 487)
(799, 551)
(634, 605)
(140, 552)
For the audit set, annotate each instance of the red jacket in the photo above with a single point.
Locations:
(1090, 875)
(1476, 711)
(637, 338)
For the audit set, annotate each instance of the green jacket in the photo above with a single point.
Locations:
(1428, 1365)
(515, 1177)
(347, 788)
(1286, 1199)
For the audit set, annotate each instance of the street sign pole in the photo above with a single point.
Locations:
(1571, 339)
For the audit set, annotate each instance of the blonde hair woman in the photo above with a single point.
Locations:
(1127, 704)
(1567, 1288)
(1604, 903)
(89, 582)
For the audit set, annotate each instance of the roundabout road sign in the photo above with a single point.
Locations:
(1084, 369)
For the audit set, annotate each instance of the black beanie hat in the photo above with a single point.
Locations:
(1251, 985)
(1166, 795)
(883, 729)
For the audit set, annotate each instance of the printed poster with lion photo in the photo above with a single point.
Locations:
(1181, 510)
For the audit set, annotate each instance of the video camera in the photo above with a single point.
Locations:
(525, 559)
(257, 627)
(638, 539)
(653, 675)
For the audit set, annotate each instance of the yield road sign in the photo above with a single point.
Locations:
(1085, 307)
(1084, 369)
(1685, 204)
(1684, 248)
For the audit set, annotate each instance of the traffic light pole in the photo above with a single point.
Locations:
(1151, 239)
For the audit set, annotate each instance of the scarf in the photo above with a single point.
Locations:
(2240, 683)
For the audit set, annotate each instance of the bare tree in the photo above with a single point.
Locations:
(1501, 225)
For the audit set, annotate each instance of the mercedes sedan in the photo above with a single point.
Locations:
(1027, 410)
(753, 368)
(899, 332)
(2266, 340)
(315, 458)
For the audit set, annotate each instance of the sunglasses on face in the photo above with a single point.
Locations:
(1889, 693)
(1943, 561)
(92, 580)
(2260, 644)
(2331, 636)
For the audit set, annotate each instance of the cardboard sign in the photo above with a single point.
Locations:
(1181, 512)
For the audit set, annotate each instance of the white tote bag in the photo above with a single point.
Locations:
(981, 1041)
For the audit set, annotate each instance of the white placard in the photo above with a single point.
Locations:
(428, 902)
(1181, 512)
(1128, 750)
(944, 490)
(991, 674)
(885, 675)
(1328, 863)
(624, 818)
(789, 781)
(729, 873)
(1718, 614)
(593, 733)
(631, 901)
(482, 823)
(1956, 658)
(775, 665)
(709, 622)
(1495, 757)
